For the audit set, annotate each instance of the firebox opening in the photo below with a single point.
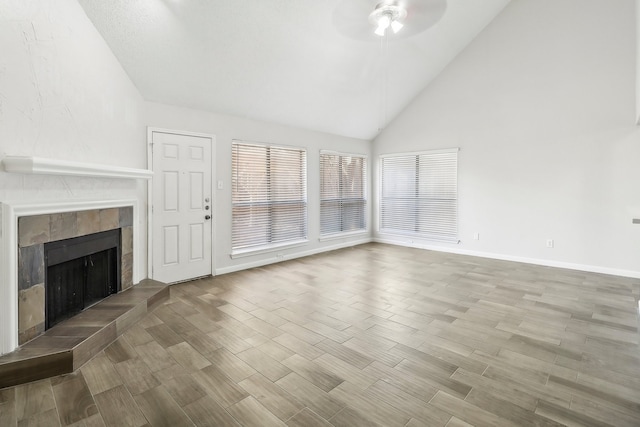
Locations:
(79, 273)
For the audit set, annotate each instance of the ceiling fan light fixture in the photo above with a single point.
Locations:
(387, 15)
(383, 23)
(396, 26)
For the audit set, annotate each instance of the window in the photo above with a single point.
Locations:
(419, 194)
(342, 193)
(269, 200)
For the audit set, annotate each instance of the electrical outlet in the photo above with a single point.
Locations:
(220, 185)
(476, 236)
(549, 243)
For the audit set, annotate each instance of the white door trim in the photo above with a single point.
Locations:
(150, 131)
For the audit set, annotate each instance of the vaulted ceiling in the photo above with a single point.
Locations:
(305, 63)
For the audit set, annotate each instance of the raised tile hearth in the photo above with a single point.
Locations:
(68, 345)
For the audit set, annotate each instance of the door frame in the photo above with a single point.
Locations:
(214, 205)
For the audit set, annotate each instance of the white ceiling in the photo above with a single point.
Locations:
(306, 63)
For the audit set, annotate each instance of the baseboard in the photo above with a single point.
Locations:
(274, 258)
(525, 260)
(454, 250)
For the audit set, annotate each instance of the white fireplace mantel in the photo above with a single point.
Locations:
(10, 211)
(46, 166)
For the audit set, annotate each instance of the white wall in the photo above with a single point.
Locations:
(227, 128)
(637, 61)
(542, 105)
(63, 95)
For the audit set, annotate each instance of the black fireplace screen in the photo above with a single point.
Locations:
(79, 273)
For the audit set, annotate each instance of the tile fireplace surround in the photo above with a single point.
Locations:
(37, 230)
(26, 227)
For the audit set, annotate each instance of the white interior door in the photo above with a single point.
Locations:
(181, 206)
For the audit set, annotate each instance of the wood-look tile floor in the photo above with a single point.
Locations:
(365, 336)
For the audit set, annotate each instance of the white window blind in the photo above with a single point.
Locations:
(342, 193)
(419, 194)
(269, 200)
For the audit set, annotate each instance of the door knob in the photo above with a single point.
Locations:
(207, 217)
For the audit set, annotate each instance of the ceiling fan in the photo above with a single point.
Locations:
(368, 19)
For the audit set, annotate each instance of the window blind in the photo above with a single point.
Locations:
(419, 194)
(342, 193)
(269, 196)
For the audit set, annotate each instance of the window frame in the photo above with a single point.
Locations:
(382, 230)
(248, 250)
(365, 191)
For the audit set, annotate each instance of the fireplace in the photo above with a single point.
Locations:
(80, 272)
(60, 199)
(59, 244)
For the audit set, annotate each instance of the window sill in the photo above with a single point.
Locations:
(419, 237)
(336, 236)
(242, 253)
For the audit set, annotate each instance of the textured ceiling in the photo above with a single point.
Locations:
(305, 63)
